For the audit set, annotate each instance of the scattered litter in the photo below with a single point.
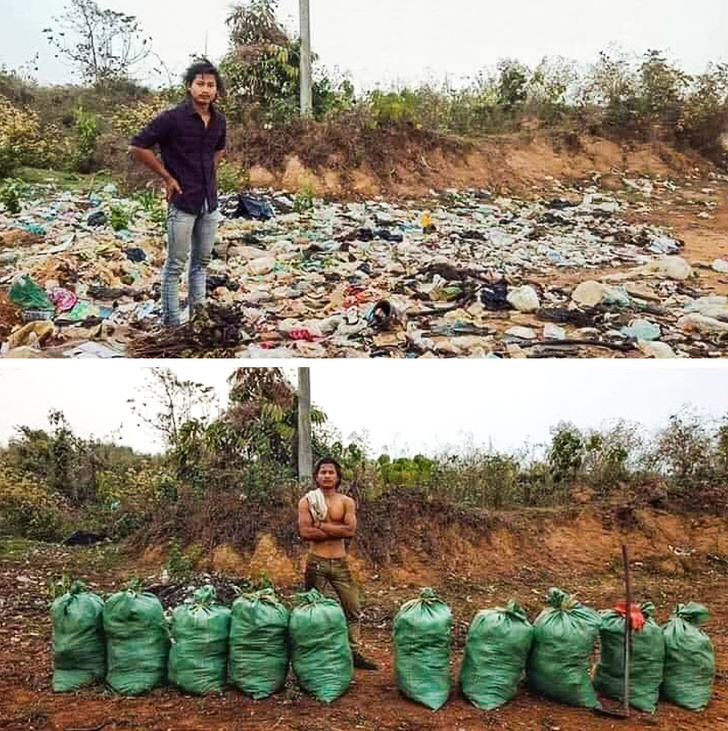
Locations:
(464, 273)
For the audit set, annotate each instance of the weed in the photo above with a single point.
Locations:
(232, 177)
(120, 218)
(34, 715)
(58, 587)
(152, 204)
(11, 193)
(179, 566)
(88, 131)
(303, 201)
(263, 580)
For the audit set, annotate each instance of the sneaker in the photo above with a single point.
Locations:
(362, 662)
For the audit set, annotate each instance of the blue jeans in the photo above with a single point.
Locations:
(186, 233)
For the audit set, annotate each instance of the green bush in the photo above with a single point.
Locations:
(394, 109)
(232, 177)
(88, 131)
(179, 566)
(11, 192)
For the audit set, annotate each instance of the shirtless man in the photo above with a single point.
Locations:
(326, 519)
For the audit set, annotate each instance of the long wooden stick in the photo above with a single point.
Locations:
(627, 627)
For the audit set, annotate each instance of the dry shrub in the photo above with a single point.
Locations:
(23, 139)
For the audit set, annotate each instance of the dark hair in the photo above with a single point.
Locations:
(205, 67)
(331, 461)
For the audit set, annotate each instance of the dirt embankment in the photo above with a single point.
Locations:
(483, 563)
(410, 164)
(401, 165)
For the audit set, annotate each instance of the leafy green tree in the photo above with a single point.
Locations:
(566, 454)
(262, 68)
(661, 84)
(512, 84)
(684, 450)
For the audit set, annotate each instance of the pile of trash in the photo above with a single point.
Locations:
(462, 273)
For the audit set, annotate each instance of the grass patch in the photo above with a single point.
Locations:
(16, 547)
(74, 182)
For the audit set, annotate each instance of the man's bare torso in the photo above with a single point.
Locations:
(332, 547)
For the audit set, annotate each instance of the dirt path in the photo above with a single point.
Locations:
(373, 702)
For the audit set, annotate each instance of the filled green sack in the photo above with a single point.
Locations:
(563, 638)
(422, 644)
(646, 662)
(137, 642)
(198, 655)
(689, 658)
(496, 649)
(79, 652)
(320, 651)
(259, 650)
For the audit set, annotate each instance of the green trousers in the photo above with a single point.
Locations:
(336, 572)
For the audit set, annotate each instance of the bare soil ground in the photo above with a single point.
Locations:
(675, 559)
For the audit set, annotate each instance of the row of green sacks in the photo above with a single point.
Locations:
(555, 654)
(126, 641)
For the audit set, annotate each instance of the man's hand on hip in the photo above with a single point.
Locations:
(171, 187)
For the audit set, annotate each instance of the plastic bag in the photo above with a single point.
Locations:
(249, 207)
(563, 639)
(320, 651)
(496, 649)
(199, 651)
(29, 295)
(647, 657)
(689, 658)
(422, 646)
(259, 648)
(137, 642)
(79, 652)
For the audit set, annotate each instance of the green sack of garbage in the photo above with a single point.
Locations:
(259, 650)
(29, 295)
(137, 642)
(320, 651)
(496, 649)
(689, 658)
(198, 655)
(563, 638)
(422, 644)
(646, 662)
(79, 653)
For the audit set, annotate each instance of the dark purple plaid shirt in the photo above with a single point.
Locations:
(188, 152)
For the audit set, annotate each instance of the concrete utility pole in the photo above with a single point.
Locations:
(305, 460)
(306, 81)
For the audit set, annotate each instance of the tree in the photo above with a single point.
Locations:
(262, 68)
(103, 45)
(264, 410)
(513, 84)
(611, 81)
(168, 403)
(684, 450)
(566, 455)
(662, 85)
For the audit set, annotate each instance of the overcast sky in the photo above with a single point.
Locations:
(406, 407)
(384, 41)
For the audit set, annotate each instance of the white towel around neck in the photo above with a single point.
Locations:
(317, 504)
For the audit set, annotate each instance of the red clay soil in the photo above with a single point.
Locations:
(576, 554)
